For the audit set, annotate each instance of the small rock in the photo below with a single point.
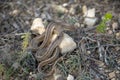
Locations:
(70, 77)
(97, 78)
(110, 32)
(100, 63)
(59, 8)
(27, 22)
(118, 35)
(91, 13)
(32, 76)
(14, 12)
(67, 44)
(88, 12)
(108, 28)
(117, 48)
(65, 4)
(58, 77)
(112, 75)
(88, 52)
(16, 25)
(77, 24)
(16, 65)
(115, 26)
(82, 25)
(84, 10)
(72, 11)
(90, 21)
(37, 26)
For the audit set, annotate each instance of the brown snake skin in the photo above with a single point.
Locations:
(44, 38)
(50, 48)
(48, 51)
(49, 60)
(48, 35)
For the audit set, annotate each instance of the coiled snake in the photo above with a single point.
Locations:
(48, 52)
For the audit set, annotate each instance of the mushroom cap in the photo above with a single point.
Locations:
(67, 44)
(37, 26)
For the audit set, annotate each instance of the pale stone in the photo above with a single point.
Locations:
(90, 21)
(67, 44)
(59, 8)
(91, 13)
(112, 75)
(115, 26)
(58, 77)
(37, 26)
(118, 35)
(84, 10)
(70, 77)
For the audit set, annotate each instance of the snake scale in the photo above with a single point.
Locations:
(48, 51)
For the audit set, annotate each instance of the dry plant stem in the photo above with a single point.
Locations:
(100, 50)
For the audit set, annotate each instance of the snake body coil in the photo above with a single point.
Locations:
(49, 50)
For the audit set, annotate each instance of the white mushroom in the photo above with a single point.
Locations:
(37, 26)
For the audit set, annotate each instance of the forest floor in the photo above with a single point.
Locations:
(97, 56)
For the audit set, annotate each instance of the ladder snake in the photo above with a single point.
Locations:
(48, 51)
